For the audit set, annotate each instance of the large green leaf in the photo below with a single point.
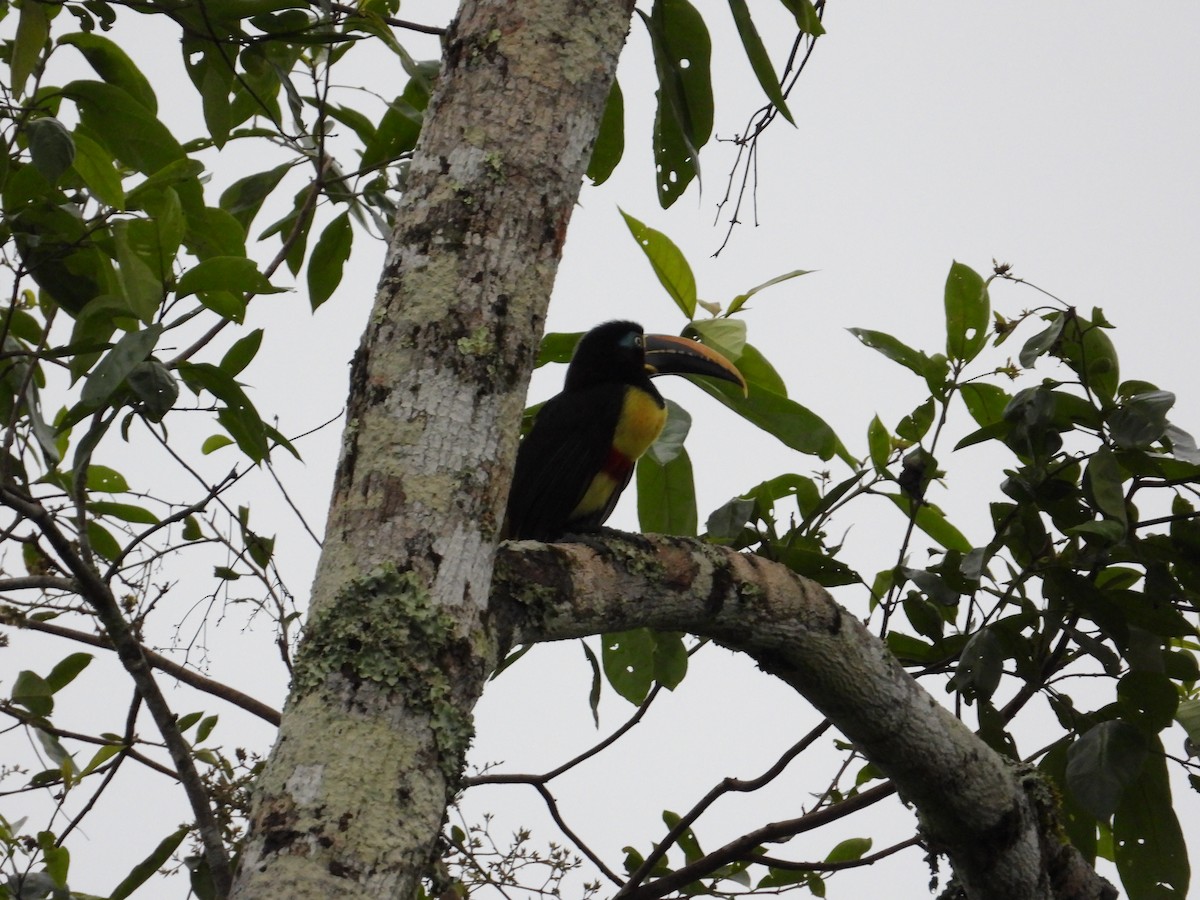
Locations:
(328, 259)
(666, 496)
(1103, 763)
(116, 365)
(968, 313)
(684, 117)
(668, 262)
(796, 426)
(760, 62)
(1088, 350)
(114, 66)
(1151, 855)
(933, 522)
(124, 126)
(610, 139)
(51, 147)
(143, 871)
(33, 28)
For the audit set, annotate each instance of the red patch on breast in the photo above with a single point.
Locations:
(617, 465)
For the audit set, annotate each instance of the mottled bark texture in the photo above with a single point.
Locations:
(996, 822)
(379, 717)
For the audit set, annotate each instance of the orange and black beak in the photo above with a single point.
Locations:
(667, 354)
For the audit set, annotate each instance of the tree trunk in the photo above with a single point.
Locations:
(372, 740)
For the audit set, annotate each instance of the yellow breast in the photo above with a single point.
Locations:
(641, 422)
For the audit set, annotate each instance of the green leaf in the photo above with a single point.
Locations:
(968, 313)
(95, 166)
(244, 198)
(155, 388)
(213, 77)
(126, 512)
(57, 859)
(849, 850)
(628, 661)
(807, 19)
(140, 287)
(33, 29)
(1103, 763)
(684, 116)
(670, 658)
(328, 258)
(610, 139)
(933, 522)
(668, 263)
(893, 348)
(669, 443)
(126, 128)
(985, 402)
(1079, 824)
(191, 528)
(214, 442)
(759, 373)
(726, 522)
(225, 273)
(205, 729)
(1148, 699)
(50, 147)
(241, 354)
(760, 62)
(593, 694)
(794, 425)
(1141, 420)
(114, 368)
(102, 478)
(103, 542)
(238, 417)
(179, 173)
(114, 66)
(1089, 351)
(916, 424)
(66, 670)
(1151, 854)
(980, 666)
(32, 691)
(1103, 481)
(740, 300)
(879, 443)
(726, 336)
(143, 871)
(1041, 342)
(666, 496)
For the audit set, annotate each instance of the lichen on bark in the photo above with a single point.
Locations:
(384, 628)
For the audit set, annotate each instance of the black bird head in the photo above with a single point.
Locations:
(621, 352)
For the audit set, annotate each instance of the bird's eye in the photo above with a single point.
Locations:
(638, 341)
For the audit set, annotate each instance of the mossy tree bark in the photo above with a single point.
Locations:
(372, 740)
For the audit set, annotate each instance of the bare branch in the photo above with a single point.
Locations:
(182, 673)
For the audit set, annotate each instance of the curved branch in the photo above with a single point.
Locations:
(983, 813)
(726, 786)
(163, 664)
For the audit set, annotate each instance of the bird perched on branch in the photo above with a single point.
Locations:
(580, 453)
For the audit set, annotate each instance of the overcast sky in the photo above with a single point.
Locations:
(1061, 138)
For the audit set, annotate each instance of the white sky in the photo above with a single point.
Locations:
(1061, 138)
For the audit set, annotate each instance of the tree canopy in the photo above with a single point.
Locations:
(1056, 629)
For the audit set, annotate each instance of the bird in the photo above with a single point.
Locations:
(580, 453)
